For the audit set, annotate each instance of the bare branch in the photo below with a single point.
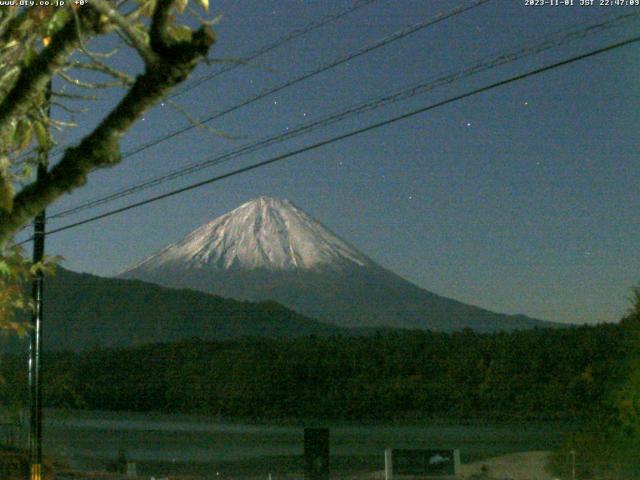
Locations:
(103, 68)
(93, 55)
(75, 96)
(60, 125)
(198, 124)
(127, 28)
(68, 109)
(101, 148)
(202, 20)
(88, 85)
(33, 78)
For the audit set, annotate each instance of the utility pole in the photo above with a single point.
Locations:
(35, 347)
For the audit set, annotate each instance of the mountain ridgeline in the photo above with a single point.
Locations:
(269, 249)
(84, 311)
(266, 269)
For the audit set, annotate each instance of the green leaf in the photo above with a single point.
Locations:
(28, 56)
(180, 33)
(57, 20)
(5, 269)
(42, 135)
(5, 163)
(26, 173)
(148, 7)
(6, 136)
(7, 80)
(23, 134)
(6, 194)
(204, 4)
(142, 31)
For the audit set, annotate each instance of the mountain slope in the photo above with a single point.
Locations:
(270, 249)
(84, 311)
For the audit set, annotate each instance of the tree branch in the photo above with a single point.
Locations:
(88, 85)
(101, 148)
(33, 78)
(105, 69)
(11, 17)
(125, 26)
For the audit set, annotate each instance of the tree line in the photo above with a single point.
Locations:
(535, 374)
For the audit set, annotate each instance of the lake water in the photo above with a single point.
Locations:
(173, 444)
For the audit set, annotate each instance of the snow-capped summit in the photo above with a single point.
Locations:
(265, 233)
(269, 249)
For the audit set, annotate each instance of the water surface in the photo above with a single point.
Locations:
(165, 444)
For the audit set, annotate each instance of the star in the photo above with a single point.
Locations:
(526, 103)
(410, 197)
(468, 124)
(275, 102)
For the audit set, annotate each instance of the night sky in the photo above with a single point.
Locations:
(523, 199)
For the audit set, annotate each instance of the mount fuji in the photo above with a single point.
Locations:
(269, 249)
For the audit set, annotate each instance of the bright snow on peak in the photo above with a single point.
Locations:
(264, 233)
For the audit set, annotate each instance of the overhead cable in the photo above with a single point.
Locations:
(350, 134)
(558, 39)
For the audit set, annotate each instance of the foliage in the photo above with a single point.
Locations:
(536, 374)
(14, 271)
(607, 445)
(45, 63)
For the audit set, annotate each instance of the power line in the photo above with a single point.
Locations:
(331, 17)
(557, 39)
(402, 33)
(348, 134)
(292, 35)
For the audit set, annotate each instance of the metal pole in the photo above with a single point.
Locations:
(35, 347)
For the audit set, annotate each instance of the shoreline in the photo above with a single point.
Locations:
(529, 465)
(58, 414)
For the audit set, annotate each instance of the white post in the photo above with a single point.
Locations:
(132, 471)
(388, 464)
(456, 461)
(573, 464)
